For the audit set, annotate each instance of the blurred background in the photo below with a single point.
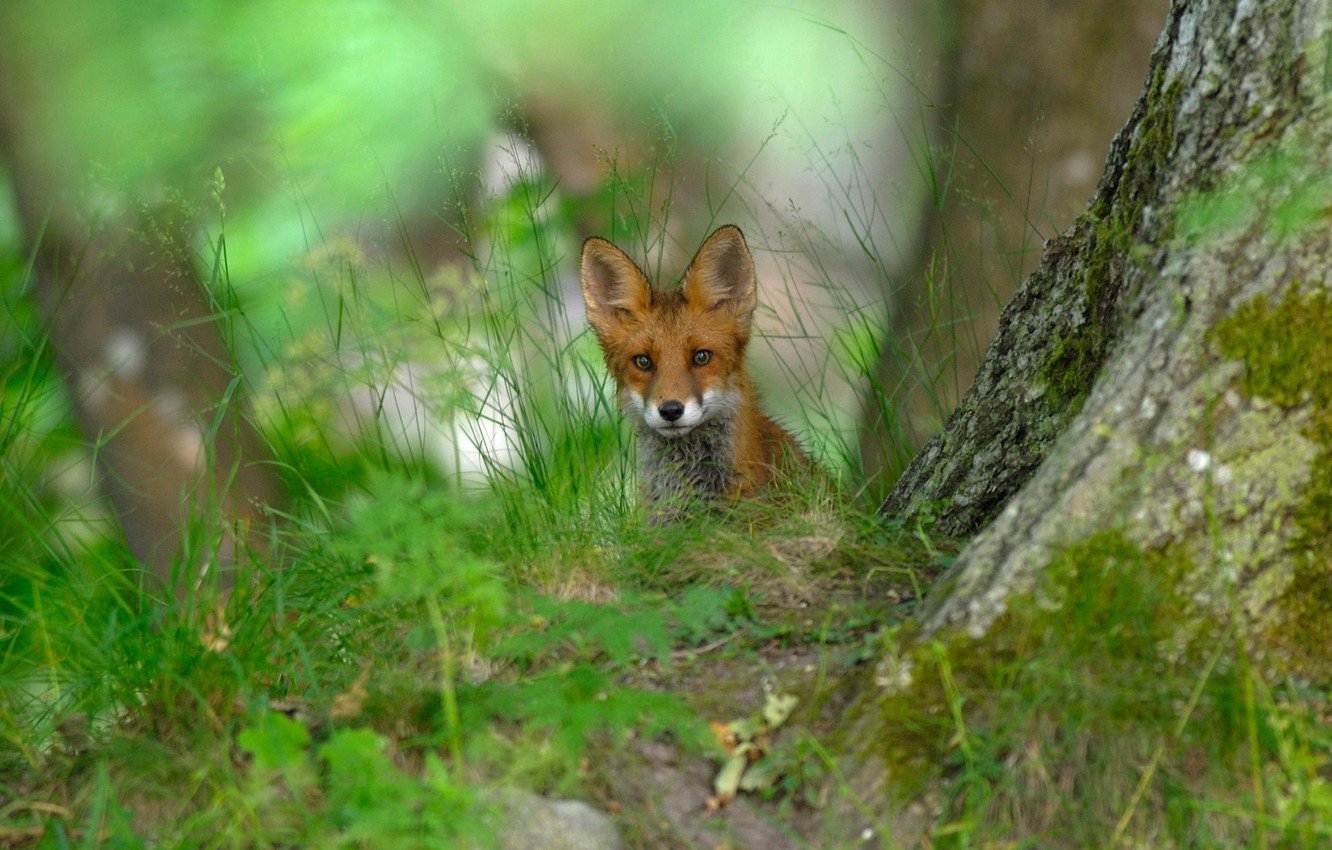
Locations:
(251, 250)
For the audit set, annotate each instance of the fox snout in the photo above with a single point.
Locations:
(673, 418)
(670, 418)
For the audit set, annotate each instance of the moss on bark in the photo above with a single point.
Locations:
(1117, 226)
(1286, 347)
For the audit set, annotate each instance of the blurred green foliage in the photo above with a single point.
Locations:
(432, 629)
(333, 114)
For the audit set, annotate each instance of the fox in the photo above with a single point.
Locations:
(677, 357)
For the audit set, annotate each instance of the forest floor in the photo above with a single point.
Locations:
(410, 658)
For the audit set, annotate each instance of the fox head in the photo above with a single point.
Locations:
(677, 355)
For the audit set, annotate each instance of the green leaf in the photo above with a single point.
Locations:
(275, 742)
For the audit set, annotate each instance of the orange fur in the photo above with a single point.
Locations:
(678, 359)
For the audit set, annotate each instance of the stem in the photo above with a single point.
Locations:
(448, 675)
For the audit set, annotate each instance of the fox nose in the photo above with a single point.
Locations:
(671, 410)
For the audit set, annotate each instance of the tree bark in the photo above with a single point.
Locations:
(1166, 373)
(1092, 286)
(1023, 133)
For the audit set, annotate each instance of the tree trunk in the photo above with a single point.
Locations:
(1162, 381)
(1025, 130)
(154, 386)
(1097, 279)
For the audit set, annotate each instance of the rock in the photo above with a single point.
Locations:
(531, 822)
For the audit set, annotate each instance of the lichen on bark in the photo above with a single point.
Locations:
(1286, 347)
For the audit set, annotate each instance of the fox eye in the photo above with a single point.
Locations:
(642, 361)
(702, 357)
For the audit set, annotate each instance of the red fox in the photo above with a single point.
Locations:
(678, 359)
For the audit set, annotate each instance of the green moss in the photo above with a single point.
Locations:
(1041, 728)
(1286, 347)
(1103, 605)
(1075, 360)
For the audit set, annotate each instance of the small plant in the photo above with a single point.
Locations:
(347, 792)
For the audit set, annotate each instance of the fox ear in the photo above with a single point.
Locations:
(722, 274)
(613, 286)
